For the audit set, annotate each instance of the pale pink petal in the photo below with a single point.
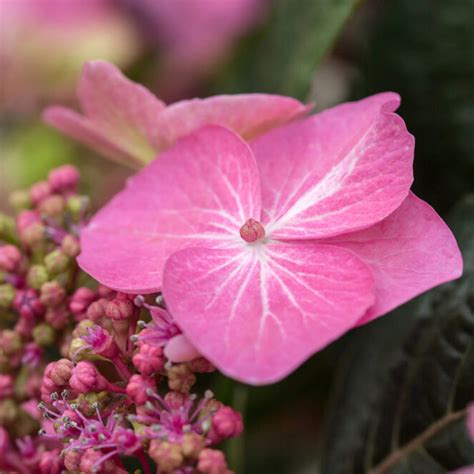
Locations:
(83, 130)
(248, 115)
(409, 252)
(202, 190)
(341, 170)
(179, 349)
(259, 311)
(122, 112)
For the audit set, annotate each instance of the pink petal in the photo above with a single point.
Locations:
(409, 252)
(258, 311)
(118, 110)
(341, 170)
(248, 115)
(83, 130)
(179, 349)
(202, 190)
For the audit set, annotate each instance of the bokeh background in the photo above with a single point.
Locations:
(326, 51)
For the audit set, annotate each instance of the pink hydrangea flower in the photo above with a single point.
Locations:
(266, 253)
(126, 122)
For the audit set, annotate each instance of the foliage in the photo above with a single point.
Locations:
(402, 410)
(282, 57)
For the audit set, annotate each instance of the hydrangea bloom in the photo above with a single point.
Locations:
(126, 122)
(266, 253)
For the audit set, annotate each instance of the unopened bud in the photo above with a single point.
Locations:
(20, 200)
(7, 295)
(52, 294)
(70, 246)
(44, 335)
(37, 276)
(56, 262)
(52, 206)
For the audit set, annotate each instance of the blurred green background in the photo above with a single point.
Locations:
(322, 417)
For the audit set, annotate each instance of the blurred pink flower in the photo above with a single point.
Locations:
(126, 122)
(194, 35)
(43, 44)
(266, 254)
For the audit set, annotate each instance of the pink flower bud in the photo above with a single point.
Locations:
(24, 326)
(52, 206)
(52, 294)
(64, 178)
(80, 300)
(227, 423)
(28, 304)
(70, 246)
(91, 463)
(102, 342)
(10, 342)
(85, 378)
(10, 258)
(57, 317)
(25, 219)
(6, 386)
(39, 191)
(137, 388)
(119, 309)
(96, 310)
(72, 460)
(149, 359)
(212, 461)
(61, 371)
(167, 456)
(50, 462)
(176, 400)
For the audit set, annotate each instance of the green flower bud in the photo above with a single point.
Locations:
(77, 206)
(44, 335)
(7, 228)
(20, 200)
(56, 262)
(37, 276)
(7, 295)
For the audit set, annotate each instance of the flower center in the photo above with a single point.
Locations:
(252, 231)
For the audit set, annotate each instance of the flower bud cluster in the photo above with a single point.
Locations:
(88, 375)
(38, 281)
(120, 394)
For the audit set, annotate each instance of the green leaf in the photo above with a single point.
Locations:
(400, 403)
(424, 50)
(282, 57)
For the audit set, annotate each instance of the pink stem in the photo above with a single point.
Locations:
(143, 461)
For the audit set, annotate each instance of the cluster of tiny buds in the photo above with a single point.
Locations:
(38, 281)
(121, 385)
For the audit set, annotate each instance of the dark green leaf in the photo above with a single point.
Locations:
(400, 402)
(283, 56)
(424, 50)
